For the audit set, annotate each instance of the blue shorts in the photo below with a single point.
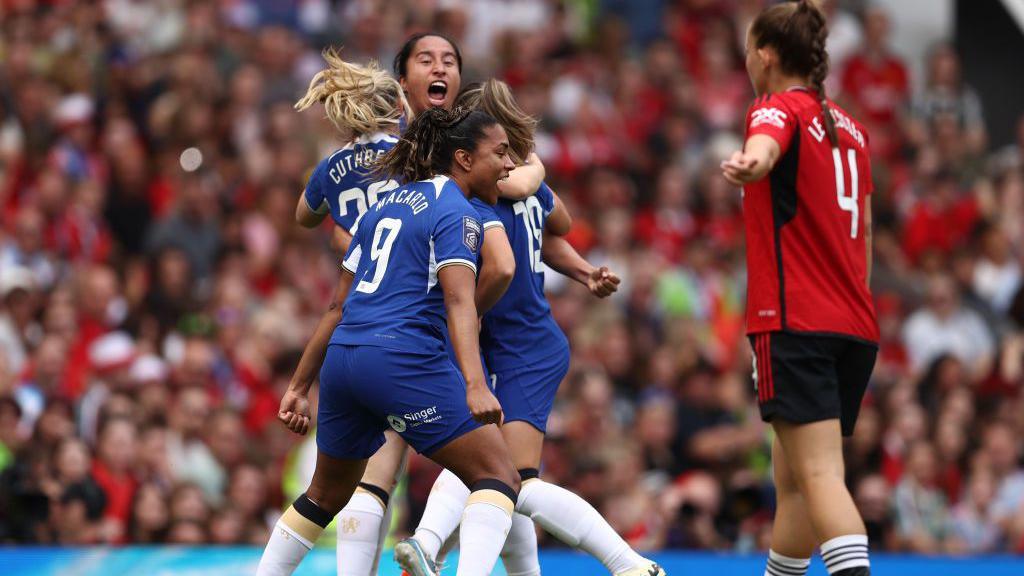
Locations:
(365, 389)
(527, 392)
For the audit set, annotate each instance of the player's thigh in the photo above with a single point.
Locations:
(479, 454)
(813, 451)
(527, 392)
(796, 377)
(422, 397)
(855, 364)
(525, 442)
(346, 429)
(334, 480)
(383, 467)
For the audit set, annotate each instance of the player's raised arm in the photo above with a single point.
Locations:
(561, 257)
(558, 254)
(754, 162)
(524, 180)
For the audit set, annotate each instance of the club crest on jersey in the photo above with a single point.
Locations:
(397, 423)
(772, 116)
(470, 233)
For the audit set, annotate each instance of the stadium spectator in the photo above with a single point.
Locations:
(921, 512)
(946, 326)
(206, 288)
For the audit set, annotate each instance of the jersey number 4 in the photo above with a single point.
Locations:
(847, 203)
(380, 253)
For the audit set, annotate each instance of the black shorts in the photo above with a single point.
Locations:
(803, 378)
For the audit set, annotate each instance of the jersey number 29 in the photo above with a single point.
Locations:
(380, 252)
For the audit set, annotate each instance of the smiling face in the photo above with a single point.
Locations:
(432, 77)
(487, 164)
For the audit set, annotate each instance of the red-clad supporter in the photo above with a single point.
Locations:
(155, 292)
(877, 84)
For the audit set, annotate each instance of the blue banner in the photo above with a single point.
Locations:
(189, 561)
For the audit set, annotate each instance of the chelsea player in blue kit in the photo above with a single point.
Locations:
(528, 356)
(367, 106)
(412, 258)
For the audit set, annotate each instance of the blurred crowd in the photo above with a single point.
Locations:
(155, 293)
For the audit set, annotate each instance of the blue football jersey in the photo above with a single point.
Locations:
(397, 249)
(519, 328)
(342, 184)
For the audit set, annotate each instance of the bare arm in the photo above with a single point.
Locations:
(564, 259)
(341, 240)
(758, 157)
(559, 222)
(496, 269)
(294, 409)
(524, 180)
(459, 285)
(305, 216)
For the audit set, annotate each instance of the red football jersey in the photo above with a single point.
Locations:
(806, 253)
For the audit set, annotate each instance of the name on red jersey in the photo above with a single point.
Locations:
(818, 131)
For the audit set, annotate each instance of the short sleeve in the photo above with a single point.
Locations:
(355, 250)
(488, 216)
(457, 234)
(546, 196)
(314, 193)
(771, 117)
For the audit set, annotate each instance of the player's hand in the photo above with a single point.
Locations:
(740, 168)
(603, 282)
(484, 407)
(294, 412)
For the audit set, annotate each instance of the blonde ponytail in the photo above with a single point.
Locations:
(358, 99)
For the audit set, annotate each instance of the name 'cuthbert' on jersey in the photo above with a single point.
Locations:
(818, 131)
(358, 159)
(416, 200)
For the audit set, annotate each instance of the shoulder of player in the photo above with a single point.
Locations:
(377, 139)
(774, 108)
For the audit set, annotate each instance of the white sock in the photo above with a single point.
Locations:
(844, 552)
(520, 552)
(485, 525)
(450, 544)
(385, 529)
(779, 565)
(293, 536)
(359, 527)
(573, 521)
(443, 512)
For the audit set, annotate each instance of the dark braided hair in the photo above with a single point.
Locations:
(798, 31)
(427, 148)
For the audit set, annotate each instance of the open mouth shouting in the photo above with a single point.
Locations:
(436, 92)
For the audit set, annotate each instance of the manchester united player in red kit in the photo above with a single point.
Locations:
(807, 181)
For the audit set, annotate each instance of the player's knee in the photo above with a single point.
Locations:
(817, 473)
(785, 485)
(327, 497)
